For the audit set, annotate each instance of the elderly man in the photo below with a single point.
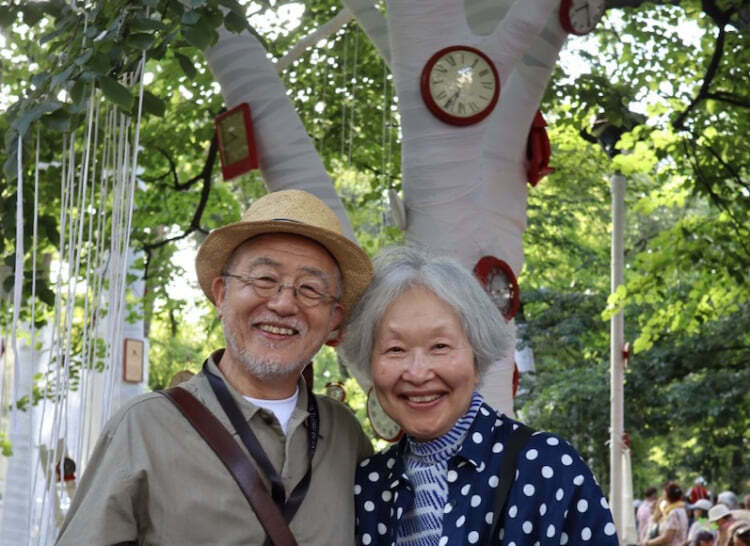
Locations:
(282, 280)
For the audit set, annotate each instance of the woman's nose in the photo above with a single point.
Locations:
(418, 367)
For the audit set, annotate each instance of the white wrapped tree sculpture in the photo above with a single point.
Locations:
(464, 187)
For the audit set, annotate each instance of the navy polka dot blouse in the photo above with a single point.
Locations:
(554, 499)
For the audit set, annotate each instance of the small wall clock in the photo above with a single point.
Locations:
(581, 16)
(460, 85)
(498, 279)
(234, 130)
(383, 426)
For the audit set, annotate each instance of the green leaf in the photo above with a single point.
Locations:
(116, 92)
(40, 79)
(59, 120)
(76, 92)
(153, 104)
(214, 18)
(84, 57)
(198, 35)
(235, 23)
(31, 14)
(190, 17)
(98, 64)
(30, 116)
(140, 40)
(139, 23)
(61, 77)
(186, 64)
(7, 17)
(234, 7)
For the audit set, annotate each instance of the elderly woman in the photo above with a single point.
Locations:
(425, 332)
(672, 519)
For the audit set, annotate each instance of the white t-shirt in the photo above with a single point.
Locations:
(282, 409)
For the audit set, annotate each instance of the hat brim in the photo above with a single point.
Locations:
(355, 266)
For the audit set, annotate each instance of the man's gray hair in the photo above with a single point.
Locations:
(400, 268)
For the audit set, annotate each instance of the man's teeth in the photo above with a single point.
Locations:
(425, 398)
(276, 330)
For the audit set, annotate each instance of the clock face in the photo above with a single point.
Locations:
(581, 16)
(500, 283)
(460, 85)
(383, 426)
(335, 390)
(234, 130)
(234, 137)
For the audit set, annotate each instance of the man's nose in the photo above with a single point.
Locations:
(285, 300)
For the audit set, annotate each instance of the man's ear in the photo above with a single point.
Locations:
(337, 316)
(218, 291)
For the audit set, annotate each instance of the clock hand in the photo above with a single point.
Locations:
(451, 100)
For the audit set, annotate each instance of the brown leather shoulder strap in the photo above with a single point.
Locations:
(236, 461)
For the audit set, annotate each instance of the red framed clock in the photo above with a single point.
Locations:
(500, 283)
(336, 390)
(581, 16)
(538, 151)
(460, 85)
(234, 131)
(383, 426)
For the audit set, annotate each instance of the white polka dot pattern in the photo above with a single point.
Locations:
(553, 500)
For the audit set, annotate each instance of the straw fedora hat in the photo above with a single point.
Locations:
(288, 211)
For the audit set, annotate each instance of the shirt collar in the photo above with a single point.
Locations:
(247, 408)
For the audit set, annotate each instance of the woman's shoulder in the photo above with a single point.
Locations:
(384, 459)
(543, 443)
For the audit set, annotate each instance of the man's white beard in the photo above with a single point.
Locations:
(270, 368)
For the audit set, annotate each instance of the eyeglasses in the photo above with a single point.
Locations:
(309, 292)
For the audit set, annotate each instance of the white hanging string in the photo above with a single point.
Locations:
(32, 467)
(353, 110)
(88, 322)
(18, 291)
(345, 93)
(18, 281)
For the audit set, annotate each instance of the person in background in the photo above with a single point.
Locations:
(698, 491)
(703, 538)
(643, 515)
(425, 331)
(720, 515)
(739, 533)
(700, 518)
(672, 520)
(728, 499)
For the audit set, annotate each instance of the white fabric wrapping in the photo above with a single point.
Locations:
(286, 155)
(464, 188)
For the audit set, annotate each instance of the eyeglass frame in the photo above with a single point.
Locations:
(250, 280)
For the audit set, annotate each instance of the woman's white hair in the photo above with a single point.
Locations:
(400, 268)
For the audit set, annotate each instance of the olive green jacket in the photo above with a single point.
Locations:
(153, 480)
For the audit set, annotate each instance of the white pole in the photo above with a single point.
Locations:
(617, 335)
